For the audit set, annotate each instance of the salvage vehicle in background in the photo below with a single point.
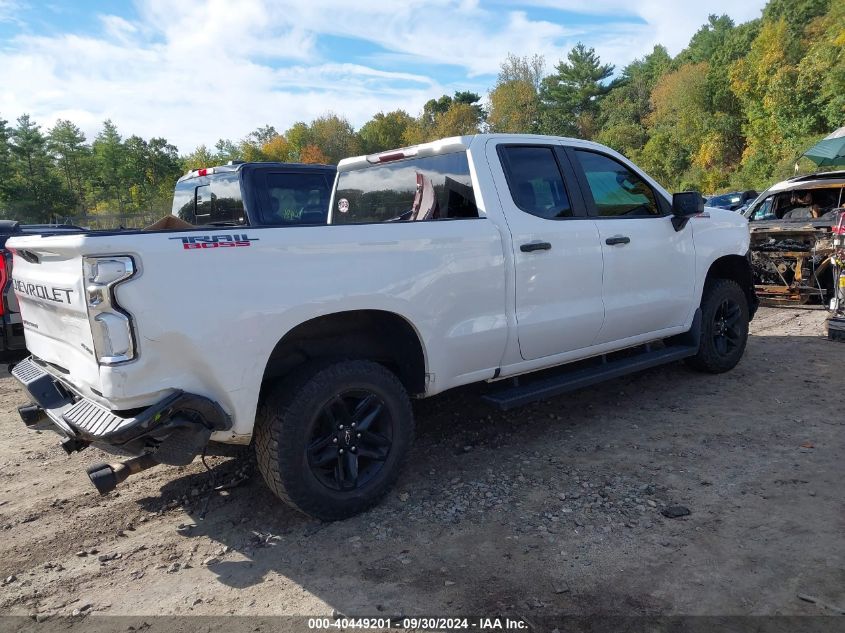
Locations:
(791, 226)
(468, 259)
(733, 201)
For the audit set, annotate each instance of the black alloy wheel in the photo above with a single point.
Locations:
(724, 327)
(331, 437)
(350, 440)
(727, 332)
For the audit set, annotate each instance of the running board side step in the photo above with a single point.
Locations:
(572, 380)
(677, 348)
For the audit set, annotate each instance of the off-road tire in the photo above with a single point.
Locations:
(282, 435)
(709, 359)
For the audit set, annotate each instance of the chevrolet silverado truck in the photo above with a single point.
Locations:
(476, 258)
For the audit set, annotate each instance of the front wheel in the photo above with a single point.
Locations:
(331, 441)
(724, 327)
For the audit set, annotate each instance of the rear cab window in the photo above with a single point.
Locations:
(215, 199)
(292, 197)
(409, 190)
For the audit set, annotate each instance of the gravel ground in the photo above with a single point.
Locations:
(556, 508)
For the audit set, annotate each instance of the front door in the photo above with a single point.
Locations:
(557, 255)
(649, 267)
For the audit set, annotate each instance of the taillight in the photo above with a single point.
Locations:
(111, 326)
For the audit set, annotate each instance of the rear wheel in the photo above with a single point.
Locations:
(331, 441)
(724, 327)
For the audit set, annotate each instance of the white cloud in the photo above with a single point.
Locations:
(195, 72)
(9, 10)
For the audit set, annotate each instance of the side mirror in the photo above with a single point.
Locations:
(685, 205)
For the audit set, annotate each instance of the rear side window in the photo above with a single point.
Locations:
(210, 200)
(295, 198)
(616, 190)
(428, 188)
(184, 200)
(535, 181)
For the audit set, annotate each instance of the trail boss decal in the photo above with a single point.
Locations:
(215, 241)
(57, 295)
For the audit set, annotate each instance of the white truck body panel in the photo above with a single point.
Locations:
(207, 320)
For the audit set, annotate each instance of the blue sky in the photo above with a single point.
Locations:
(197, 71)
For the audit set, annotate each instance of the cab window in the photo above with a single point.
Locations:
(296, 198)
(535, 181)
(415, 189)
(617, 191)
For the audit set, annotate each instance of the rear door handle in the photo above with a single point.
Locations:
(617, 239)
(535, 246)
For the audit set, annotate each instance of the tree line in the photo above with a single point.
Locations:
(733, 110)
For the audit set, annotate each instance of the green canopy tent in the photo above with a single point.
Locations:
(830, 151)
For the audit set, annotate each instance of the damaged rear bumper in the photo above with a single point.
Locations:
(173, 430)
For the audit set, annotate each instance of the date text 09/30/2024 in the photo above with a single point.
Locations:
(421, 623)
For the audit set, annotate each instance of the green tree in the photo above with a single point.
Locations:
(66, 143)
(447, 114)
(276, 149)
(515, 99)
(822, 69)
(199, 158)
(298, 137)
(778, 97)
(572, 94)
(796, 14)
(109, 155)
(707, 41)
(384, 131)
(5, 165)
(335, 137)
(35, 191)
(678, 124)
(227, 150)
(623, 111)
(459, 119)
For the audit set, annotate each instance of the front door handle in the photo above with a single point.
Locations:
(535, 246)
(617, 239)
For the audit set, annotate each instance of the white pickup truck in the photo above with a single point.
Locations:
(478, 258)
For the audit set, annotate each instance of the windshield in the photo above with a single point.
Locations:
(796, 205)
(727, 199)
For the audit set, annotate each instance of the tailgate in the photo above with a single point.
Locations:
(47, 277)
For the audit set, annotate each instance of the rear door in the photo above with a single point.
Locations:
(558, 259)
(649, 267)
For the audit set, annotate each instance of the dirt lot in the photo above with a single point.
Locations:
(554, 508)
